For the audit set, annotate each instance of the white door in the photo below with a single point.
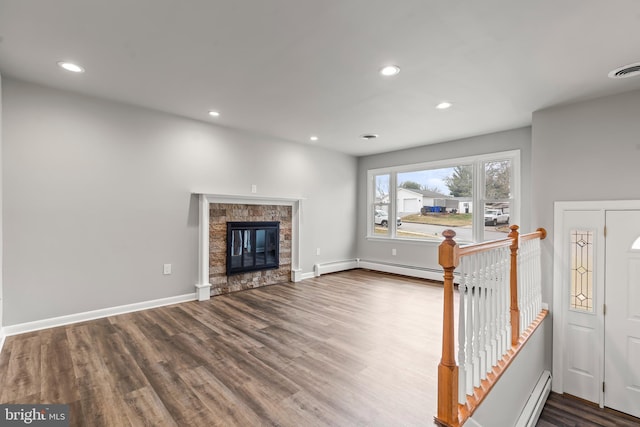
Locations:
(622, 320)
(582, 287)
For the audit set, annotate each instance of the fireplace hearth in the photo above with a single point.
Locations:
(252, 246)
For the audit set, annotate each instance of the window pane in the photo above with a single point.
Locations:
(382, 189)
(381, 220)
(433, 200)
(581, 270)
(496, 220)
(497, 180)
(380, 216)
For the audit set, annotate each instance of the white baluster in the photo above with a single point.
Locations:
(485, 337)
(504, 280)
(530, 282)
(521, 287)
(504, 286)
(538, 273)
(468, 387)
(493, 309)
(462, 326)
(526, 288)
(477, 321)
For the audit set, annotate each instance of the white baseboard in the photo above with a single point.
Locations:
(37, 325)
(2, 338)
(305, 276)
(533, 408)
(297, 275)
(405, 270)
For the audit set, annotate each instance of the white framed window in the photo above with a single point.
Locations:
(478, 197)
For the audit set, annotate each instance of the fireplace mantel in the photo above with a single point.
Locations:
(203, 287)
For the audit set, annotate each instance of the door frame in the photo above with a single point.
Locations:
(559, 307)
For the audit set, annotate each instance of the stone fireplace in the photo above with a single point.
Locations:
(220, 215)
(216, 211)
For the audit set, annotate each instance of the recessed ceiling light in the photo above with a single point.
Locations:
(70, 66)
(629, 70)
(369, 136)
(444, 105)
(313, 138)
(214, 114)
(390, 70)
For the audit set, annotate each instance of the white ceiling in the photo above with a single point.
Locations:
(295, 68)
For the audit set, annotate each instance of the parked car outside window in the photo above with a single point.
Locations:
(382, 218)
(495, 217)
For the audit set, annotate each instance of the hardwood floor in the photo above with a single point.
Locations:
(352, 348)
(567, 411)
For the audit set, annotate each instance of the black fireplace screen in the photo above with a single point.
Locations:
(252, 246)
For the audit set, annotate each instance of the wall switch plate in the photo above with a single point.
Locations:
(318, 251)
(167, 269)
(393, 252)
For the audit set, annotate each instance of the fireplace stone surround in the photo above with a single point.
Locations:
(215, 212)
(219, 215)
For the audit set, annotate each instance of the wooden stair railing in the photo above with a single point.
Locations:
(452, 412)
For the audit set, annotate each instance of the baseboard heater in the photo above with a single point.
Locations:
(533, 408)
(406, 270)
(332, 267)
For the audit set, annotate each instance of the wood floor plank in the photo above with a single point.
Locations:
(564, 410)
(23, 369)
(100, 399)
(144, 408)
(351, 348)
(181, 402)
(219, 399)
(141, 348)
(57, 373)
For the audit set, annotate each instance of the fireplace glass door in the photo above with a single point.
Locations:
(252, 246)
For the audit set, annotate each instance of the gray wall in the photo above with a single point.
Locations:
(583, 151)
(424, 254)
(504, 405)
(1, 257)
(97, 197)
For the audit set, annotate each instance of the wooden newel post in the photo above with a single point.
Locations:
(514, 309)
(447, 369)
(543, 233)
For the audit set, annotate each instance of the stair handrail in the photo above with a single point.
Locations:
(450, 254)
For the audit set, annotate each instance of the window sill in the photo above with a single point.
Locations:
(421, 242)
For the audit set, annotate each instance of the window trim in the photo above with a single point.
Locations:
(478, 196)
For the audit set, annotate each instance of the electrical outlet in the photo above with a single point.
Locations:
(254, 188)
(167, 269)
(394, 252)
(318, 251)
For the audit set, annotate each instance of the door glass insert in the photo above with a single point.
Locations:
(581, 270)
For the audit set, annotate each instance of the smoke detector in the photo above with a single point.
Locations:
(625, 71)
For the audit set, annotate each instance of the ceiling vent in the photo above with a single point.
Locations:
(626, 71)
(369, 136)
